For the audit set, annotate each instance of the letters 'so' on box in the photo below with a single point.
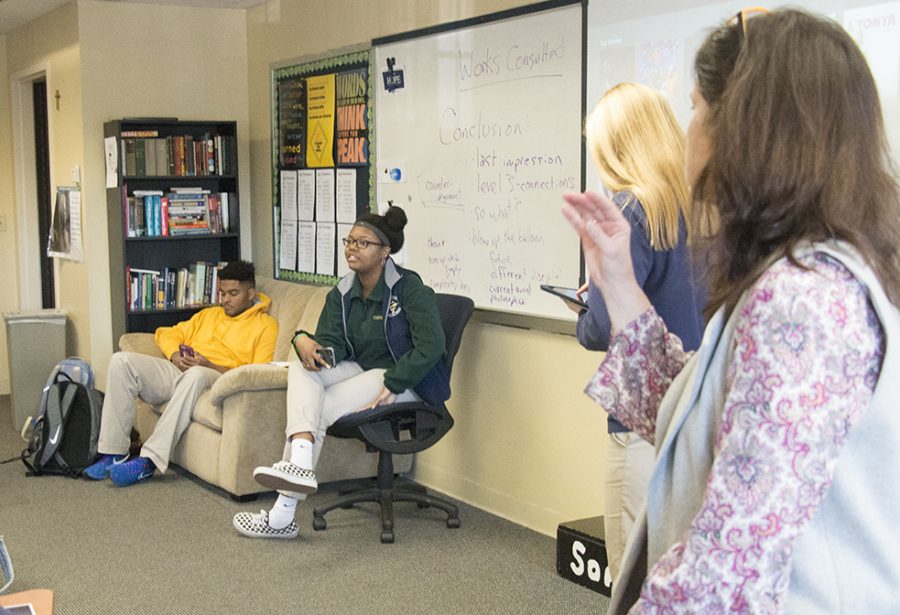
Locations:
(581, 554)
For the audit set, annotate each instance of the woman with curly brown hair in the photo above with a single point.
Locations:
(777, 477)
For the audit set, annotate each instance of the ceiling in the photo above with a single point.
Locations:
(14, 13)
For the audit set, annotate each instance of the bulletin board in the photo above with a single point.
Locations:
(321, 179)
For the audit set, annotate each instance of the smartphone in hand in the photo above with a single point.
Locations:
(569, 294)
(327, 353)
(185, 351)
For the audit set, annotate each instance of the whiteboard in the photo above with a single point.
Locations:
(478, 146)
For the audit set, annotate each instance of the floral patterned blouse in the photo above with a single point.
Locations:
(807, 351)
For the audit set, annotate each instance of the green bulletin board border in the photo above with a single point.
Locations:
(318, 66)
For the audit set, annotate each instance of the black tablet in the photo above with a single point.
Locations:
(569, 294)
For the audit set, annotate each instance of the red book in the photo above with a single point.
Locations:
(180, 168)
(126, 218)
(215, 219)
(164, 216)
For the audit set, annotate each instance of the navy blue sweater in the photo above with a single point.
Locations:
(668, 281)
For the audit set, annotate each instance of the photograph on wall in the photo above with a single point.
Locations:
(65, 226)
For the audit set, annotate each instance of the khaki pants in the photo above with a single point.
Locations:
(156, 381)
(630, 462)
(315, 400)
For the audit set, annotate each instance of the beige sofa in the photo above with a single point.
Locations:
(239, 423)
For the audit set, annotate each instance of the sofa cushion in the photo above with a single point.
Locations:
(143, 343)
(294, 306)
(248, 378)
(204, 413)
(207, 414)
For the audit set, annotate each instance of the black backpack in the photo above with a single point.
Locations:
(64, 436)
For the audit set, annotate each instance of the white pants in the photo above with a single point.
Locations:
(630, 461)
(315, 400)
(155, 381)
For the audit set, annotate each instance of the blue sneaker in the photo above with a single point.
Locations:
(132, 471)
(100, 469)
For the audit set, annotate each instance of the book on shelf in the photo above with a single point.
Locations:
(224, 147)
(188, 213)
(215, 217)
(164, 213)
(140, 160)
(150, 214)
(142, 213)
(149, 148)
(181, 284)
(139, 283)
(170, 155)
(128, 152)
(139, 133)
(172, 288)
(178, 146)
(145, 153)
(182, 211)
(224, 208)
(210, 156)
(162, 163)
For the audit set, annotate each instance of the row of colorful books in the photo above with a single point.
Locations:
(177, 155)
(173, 288)
(183, 211)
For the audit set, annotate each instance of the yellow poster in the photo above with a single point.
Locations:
(320, 121)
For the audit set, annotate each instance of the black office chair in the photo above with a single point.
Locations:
(402, 428)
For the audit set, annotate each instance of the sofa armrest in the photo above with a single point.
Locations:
(255, 377)
(143, 343)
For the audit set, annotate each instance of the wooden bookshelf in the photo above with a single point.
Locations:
(185, 154)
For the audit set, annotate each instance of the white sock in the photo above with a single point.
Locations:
(282, 513)
(301, 453)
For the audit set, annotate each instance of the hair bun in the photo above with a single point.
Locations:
(395, 218)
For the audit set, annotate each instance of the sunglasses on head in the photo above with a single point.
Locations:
(744, 14)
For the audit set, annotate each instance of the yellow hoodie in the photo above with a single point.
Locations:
(229, 341)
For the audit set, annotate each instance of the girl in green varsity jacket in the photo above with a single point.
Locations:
(379, 341)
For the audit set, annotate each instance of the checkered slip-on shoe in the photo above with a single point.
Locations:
(286, 476)
(256, 525)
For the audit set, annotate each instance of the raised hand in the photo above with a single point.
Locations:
(606, 241)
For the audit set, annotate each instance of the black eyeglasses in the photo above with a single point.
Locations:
(362, 244)
(744, 14)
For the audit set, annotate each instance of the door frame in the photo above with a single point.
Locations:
(27, 228)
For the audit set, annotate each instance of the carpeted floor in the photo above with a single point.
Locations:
(167, 547)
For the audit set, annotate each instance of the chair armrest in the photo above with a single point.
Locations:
(143, 343)
(255, 377)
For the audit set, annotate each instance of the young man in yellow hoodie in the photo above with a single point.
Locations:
(213, 341)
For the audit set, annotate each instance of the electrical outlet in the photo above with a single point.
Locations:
(76, 174)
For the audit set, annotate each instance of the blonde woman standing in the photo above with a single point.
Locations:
(638, 151)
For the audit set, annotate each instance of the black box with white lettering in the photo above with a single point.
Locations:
(581, 554)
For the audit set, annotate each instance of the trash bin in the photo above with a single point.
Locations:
(35, 342)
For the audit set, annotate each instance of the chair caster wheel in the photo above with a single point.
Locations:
(453, 522)
(387, 536)
(319, 523)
